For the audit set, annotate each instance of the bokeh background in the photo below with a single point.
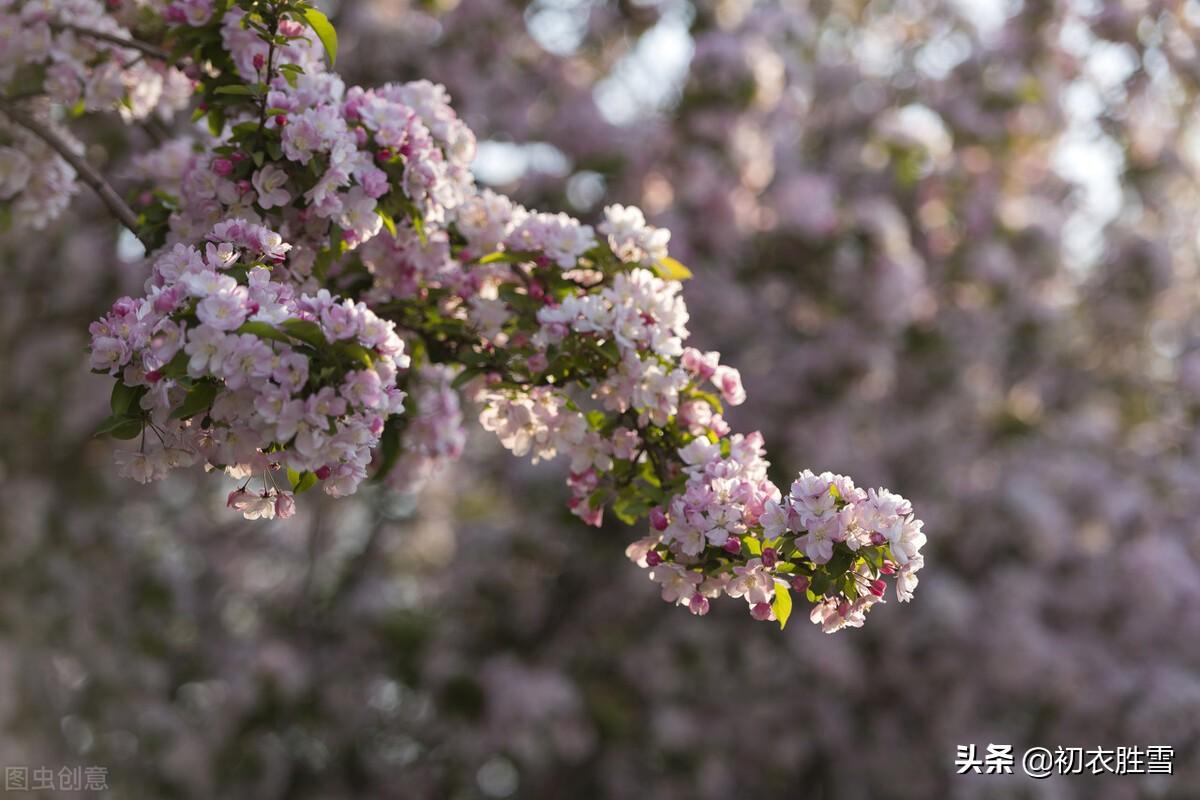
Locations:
(952, 245)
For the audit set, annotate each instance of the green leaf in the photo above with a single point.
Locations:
(324, 30)
(465, 377)
(753, 545)
(503, 255)
(264, 330)
(388, 222)
(598, 498)
(236, 89)
(123, 398)
(198, 399)
(782, 604)
(120, 427)
(177, 366)
(389, 447)
(357, 352)
(670, 269)
(216, 121)
(303, 482)
(305, 330)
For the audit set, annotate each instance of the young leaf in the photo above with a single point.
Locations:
(671, 270)
(263, 330)
(324, 30)
(303, 482)
(389, 448)
(198, 399)
(388, 222)
(464, 377)
(782, 604)
(305, 330)
(357, 352)
(120, 427)
(123, 398)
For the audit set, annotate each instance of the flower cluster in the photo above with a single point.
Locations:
(222, 361)
(433, 428)
(732, 532)
(36, 183)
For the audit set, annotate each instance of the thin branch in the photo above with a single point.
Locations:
(87, 173)
(120, 41)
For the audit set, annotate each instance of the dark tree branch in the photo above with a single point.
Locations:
(87, 173)
(120, 41)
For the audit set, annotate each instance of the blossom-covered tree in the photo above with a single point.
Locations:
(918, 292)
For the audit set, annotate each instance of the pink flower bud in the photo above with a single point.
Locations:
(888, 568)
(234, 497)
(384, 154)
(718, 425)
(154, 376)
(733, 545)
(698, 605)
(877, 538)
(800, 583)
(285, 505)
(653, 559)
(259, 62)
(323, 473)
(222, 166)
(770, 557)
(843, 608)
(878, 587)
(281, 120)
(658, 520)
(761, 612)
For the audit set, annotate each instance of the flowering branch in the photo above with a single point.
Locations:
(86, 172)
(326, 275)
